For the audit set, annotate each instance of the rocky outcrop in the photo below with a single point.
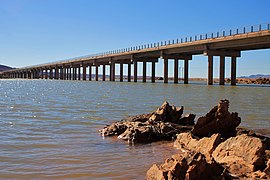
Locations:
(188, 166)
(217, 149)
(218, 120)
(162, 124)
(241, 154)
(253, 80)
(206, 146)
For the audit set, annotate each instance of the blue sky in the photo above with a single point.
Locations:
(40, 31)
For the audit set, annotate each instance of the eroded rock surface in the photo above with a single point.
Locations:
(188, 166)
(218, 120)
(162, 124)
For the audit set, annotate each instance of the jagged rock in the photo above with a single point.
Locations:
(188, 119)
(218, 120)
(206, 145)
(163, 124)
(187, 166)
(241, 154)
(267, 169)
(167, 113)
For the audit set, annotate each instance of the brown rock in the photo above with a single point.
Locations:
(241, 154)
(186, 166)
(167, 113)
(267, 169)
(206, 146)
(218, 120)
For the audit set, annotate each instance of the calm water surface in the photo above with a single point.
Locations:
(49, 129)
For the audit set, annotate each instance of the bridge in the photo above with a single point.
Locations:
(223, 44)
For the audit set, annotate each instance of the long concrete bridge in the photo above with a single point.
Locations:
(223, 44)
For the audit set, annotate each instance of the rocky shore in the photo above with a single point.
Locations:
(213, 148)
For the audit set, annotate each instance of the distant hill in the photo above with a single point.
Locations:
(257, 76)
(5, 68)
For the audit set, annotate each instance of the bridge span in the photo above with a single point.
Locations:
(223, 44)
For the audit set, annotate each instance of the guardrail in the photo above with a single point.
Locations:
(218, 34)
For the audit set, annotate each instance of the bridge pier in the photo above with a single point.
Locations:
(104, 72)
(210, 70)
(129, 71)
(153, 79)
(222, 70)
(121, 71)
(96, 72)
(84, 72)
(186, 72)
(90, 72)
(233, 70)
(112, 71)
(165, 70)
(135, 67)
(144, 70)
(176, 71)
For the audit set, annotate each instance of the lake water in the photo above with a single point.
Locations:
(49, 129)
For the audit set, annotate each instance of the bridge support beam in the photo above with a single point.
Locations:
(79, 72)
(90, 72)
(104, 72)
(46, 73)
(96, 72)
(165, 70)
(186, 71)
(144, 70)
(210, 70)
(64, 73)
(176, 71)
(233, 71)
(222, 70)
(61, 73)
(121, 71)
(153, 71)
(135, 64)
(129, 72)
(112, 71)
(84, 72)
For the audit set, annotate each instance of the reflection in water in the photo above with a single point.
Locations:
(49, 129)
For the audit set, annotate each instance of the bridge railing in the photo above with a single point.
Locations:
(218, 34)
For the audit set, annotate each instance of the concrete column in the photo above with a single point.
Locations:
(56, 73)
(144, 70)
(61, 73)
(222, 70)
(176, 71)
(46, 73)
(135, 63)
(165, 70)
(104, 73)
(186, 71)
(84, 72)
(79, 72)
(121, 71)
(73, 73)
(210, 70)
(153, 71)
(96, 72)
(64, 73)
(233, 71)
(112, 71)
(41, 73)
(129, 72)
(51, 73)
(90, 73)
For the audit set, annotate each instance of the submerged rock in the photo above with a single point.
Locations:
(218, 120)
(162, 124)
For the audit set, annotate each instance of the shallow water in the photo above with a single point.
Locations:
(49, 129)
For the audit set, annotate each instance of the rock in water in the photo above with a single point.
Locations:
(218, 120)
(162, 124)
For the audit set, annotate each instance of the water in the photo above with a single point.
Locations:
(49, 129)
